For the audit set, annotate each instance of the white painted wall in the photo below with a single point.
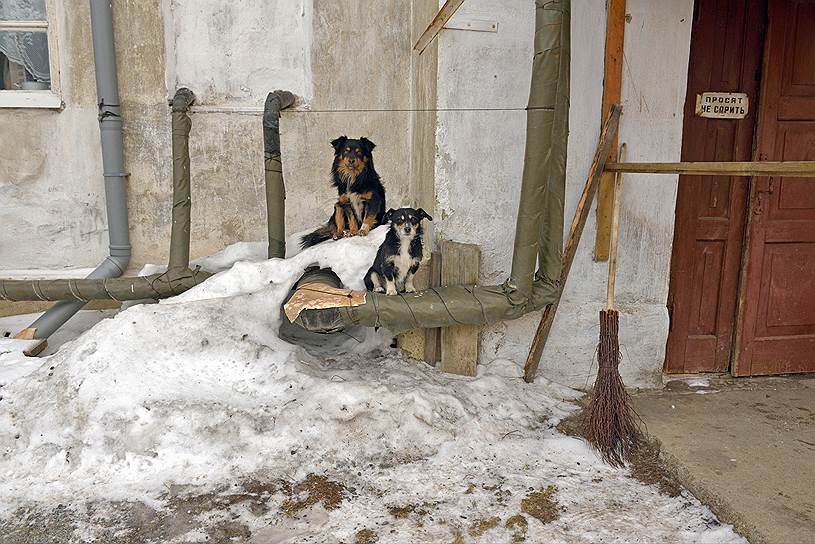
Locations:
(237, 52)
(479, 164)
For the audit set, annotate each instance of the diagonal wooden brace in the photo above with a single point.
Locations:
(581, 214)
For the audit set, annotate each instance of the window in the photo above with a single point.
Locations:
(28, 71)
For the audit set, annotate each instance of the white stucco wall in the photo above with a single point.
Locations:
(479, 164)
(237, 52)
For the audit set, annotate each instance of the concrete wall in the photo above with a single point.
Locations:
(479, 164)
(334, 56)
(50, 166)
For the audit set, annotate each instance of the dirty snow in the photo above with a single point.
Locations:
(200, 393)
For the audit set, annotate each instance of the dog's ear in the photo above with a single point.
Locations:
(339, 142)
(424, 214)
(388, 215)
(367, 145)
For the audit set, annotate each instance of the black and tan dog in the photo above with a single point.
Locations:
(361, 204)
(399, 255)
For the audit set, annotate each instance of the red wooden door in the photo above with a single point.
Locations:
(725, 56)
(776, 327)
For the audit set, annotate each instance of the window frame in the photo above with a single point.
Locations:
(44, 99)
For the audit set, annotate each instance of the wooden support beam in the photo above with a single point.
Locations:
(803, 169)
(581, 214)
(432, 346)
(612, 93)
(435, 26)
(460, 265)
(414, 341)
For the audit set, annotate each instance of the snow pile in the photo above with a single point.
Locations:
(201, 391)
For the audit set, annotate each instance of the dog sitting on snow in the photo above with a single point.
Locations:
(361, 203)
(399, 255)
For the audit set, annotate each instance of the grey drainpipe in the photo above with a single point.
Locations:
(110, 126)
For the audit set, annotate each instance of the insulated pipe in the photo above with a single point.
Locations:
(83, 290)
(275, 188)
(182, 201)
(435, 307)
(539, 225)
(110, 127)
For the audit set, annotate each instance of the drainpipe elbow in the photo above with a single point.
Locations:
(183, 99)
(275, 102)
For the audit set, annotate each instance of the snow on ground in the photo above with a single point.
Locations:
(199, 393)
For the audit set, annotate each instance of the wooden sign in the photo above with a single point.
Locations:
(722, 105)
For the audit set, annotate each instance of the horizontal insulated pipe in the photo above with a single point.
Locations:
(436, 307)
(275, 187)
(84, 290)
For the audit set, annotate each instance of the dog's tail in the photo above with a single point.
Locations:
(320, 235)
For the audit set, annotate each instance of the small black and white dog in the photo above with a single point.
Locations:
(399, 255)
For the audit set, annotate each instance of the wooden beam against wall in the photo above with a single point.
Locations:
(581, 214)
(460, 265)
(612, 91)
(803, 169)
(435, 26)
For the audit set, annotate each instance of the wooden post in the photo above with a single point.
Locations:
(414, 342)
(612, 91)
(581, 214)
(461, 264)
(432, 346)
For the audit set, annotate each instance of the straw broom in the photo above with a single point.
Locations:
(610, 424)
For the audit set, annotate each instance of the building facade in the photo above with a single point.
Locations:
(449, 125)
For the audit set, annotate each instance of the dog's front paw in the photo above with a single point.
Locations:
(379, 290)
(363, 231)
(410, 289)
(391, 292)
(346, 233)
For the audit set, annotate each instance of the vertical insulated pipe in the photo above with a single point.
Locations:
(110, 127)
(539, 226)
(182, 202)
(275, 187)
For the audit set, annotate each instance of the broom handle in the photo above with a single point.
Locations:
(615, 224)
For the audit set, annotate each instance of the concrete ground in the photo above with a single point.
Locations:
(744, 447)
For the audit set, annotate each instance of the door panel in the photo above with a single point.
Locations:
(776, 328)
(710, 211)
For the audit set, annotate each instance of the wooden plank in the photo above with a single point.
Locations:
(435, 26)
(615, 224)
(414, 341)
(612, 91)
(745, 169)
(459, 343)
(581, 214)
(29, 26)
(432, 347)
